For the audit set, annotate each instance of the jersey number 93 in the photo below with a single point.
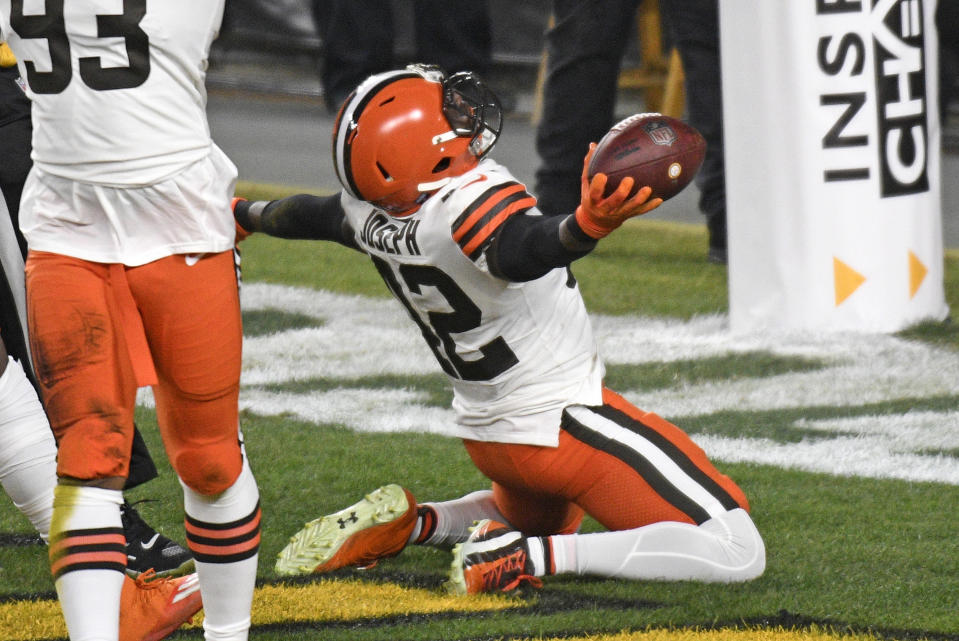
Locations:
(51, 26)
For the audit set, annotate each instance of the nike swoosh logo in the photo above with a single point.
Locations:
(149, 544)
(192, 259)
(478, 179)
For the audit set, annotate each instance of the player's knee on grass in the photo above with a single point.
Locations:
(745, 551)
(537, 515)
(209, 469)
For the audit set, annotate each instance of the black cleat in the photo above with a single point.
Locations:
(148, 549)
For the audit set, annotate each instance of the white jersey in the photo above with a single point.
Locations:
(124, 168)
(516, 353)
(117, 85)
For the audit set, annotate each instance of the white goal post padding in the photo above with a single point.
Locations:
(832, 164)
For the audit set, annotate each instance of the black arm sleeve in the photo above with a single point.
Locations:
(299, 217)
(528, 246)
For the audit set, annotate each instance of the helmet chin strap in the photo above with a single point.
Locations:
(483, 143)
(438, 139)
(480, 144)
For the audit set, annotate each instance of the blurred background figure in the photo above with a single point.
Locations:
(947, 21)
(358, 39)
(271, 50)
(585, 47)
(15, 139)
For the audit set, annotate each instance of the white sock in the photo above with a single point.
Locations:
(89, 598)
(537, 554)
(455, 518)
(28, 451)
(226, 586)
(92, 611)
(724, 549)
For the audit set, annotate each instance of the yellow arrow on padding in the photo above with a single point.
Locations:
(847, 280)
(917, 274)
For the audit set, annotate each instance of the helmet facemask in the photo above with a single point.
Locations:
(473, 111)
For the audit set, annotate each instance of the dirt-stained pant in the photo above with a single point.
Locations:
(98, 331)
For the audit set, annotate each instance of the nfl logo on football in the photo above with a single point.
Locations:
(660, 133)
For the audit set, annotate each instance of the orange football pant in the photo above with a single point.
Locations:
(98, 331)
(640, 472)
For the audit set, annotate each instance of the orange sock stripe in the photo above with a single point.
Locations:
(65, 541)
(427, 517)
(89, 561)
(103, 549)
(241, 549)
(224, 542)
(208, 531)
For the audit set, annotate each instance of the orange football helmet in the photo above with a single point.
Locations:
(403, 134)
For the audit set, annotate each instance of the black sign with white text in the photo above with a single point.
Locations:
(898, 144)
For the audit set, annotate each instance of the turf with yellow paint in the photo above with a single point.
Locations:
(725, 634)
(353, 600)
(316, 602)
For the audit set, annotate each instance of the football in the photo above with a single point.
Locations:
(656, 150)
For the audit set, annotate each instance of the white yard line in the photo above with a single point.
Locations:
(362, 337)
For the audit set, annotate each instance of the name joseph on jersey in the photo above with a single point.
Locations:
(391, 235)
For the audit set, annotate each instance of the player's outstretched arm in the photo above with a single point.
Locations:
(303, 216)
(598, 216)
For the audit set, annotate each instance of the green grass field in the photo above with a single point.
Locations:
(849, 454)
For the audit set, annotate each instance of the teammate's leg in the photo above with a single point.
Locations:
(28, 452)
(86, 552)
(191, 316)
(89, 391)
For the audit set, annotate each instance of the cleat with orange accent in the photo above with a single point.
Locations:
(374, 528)
(151, 607)
(493, 559)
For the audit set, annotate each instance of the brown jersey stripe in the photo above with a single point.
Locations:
(492, 221)
(479, 207)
